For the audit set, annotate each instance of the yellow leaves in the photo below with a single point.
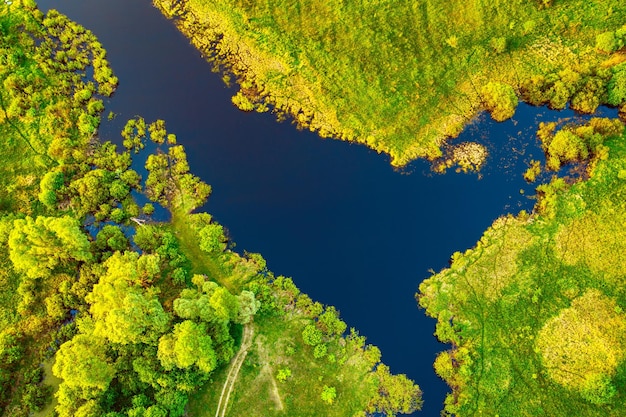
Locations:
(584, 341)
(453, 41)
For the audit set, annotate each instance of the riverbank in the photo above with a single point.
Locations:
(402, 79)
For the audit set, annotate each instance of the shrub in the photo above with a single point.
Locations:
(329, 394)
(500, 99)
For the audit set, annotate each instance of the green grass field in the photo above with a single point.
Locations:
(398, 76)
(535, 311)
(259, 392)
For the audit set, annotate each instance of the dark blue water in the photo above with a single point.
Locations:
(350, 230)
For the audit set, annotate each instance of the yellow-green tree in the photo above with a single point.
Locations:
(38, 246)
(189, 344)
(500, 99)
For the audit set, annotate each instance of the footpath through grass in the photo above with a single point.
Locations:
(260, 390)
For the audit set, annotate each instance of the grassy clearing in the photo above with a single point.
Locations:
(525, 336)
(202, 262)
(400, 77)
(277, 345)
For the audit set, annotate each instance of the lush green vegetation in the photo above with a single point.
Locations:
(535, 312)
(402, 76)
(299, 365)
(112, 313)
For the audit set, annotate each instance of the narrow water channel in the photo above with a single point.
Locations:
(350, 230)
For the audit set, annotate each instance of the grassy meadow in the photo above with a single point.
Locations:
(535, 312)
(401, 77)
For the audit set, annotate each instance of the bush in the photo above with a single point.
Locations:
(617, 86)
(311, 335)
(500, 99)
(283, 374)
(607, 42)
(329, 394)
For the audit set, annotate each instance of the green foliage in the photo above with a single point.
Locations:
(225, 305)
(83, 365)
(134, 133)
(598, 390)
(311, 335)
(607, 42)
(328, 395)
(365, 80)
(396, 394)
(123, 312)
(283, 374)
(617, 86)
(111, 238)
(577, 143)
(50, 184)
(500, 99)
(187, 345)
(38, 246)
(319, 351)
(169, 181)
(248, 306)
(212, 238)
(535, 310)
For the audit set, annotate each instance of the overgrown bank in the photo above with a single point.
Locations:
(401, 77)
(535, 312)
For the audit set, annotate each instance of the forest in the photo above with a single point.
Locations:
(105, 311)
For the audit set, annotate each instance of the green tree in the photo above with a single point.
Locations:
(395, 394)
(212, 238)
(187, 345)
(111, 238)
(225, 305)
(123, 312)
(49, 186)
(36, 247)
(617, 86)
(248, 306)
(311, 335)
(82, 363)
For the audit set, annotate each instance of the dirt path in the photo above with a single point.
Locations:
(235, 365)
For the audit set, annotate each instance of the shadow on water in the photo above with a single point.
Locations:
(350, 230)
